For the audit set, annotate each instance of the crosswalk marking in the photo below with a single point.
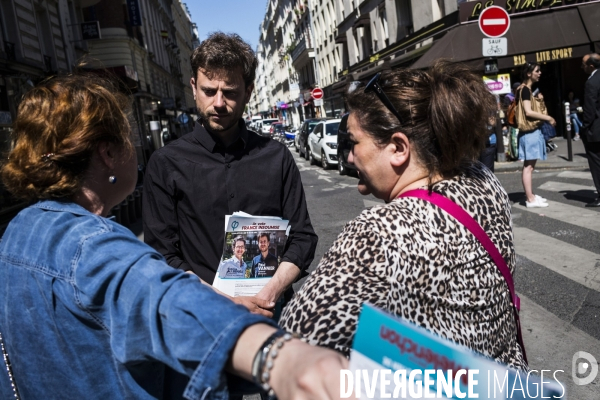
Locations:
(545, 333)
(575, 175)
(573, 215)
(573, 262)
(584, 191)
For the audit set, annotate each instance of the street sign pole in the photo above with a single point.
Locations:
(494, 22)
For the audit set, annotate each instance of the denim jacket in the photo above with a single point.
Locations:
(87, 311)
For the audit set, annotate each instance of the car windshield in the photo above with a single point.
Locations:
(331, 129)
(311, 126)
(266, 123)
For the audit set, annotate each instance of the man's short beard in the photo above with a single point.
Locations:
(216, 129)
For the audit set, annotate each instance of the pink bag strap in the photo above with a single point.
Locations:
(464, 218)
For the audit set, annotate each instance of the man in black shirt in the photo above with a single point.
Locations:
(220, 168)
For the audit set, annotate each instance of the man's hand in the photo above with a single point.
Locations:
(255, 305)
(286, 275)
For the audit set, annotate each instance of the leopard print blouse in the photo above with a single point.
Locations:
(413, 259)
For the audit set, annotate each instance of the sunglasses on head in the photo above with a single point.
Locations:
(373, 86)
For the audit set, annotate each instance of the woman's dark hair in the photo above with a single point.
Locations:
(528, 68)
(445, 110)
(59, 125)
(223, 52)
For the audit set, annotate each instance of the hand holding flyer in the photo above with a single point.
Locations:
(251, 253)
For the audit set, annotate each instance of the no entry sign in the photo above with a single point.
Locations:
(317, 93)
(494, 21)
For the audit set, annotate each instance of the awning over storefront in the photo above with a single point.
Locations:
(548, 36)
(591, 18)
(363, 75)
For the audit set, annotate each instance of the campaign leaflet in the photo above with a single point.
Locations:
(251, 253)
(386, 343)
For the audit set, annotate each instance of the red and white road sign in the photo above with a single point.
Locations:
(317, 93)
(494, 21)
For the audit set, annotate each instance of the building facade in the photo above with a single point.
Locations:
(144, 44)
(336, 41)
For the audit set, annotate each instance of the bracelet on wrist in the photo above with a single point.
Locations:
(261, 355)
(264, 359)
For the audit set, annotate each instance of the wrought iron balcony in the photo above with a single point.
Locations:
(301, 50)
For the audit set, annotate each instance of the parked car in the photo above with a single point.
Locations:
(276, 127)
(301, 138)
(322, 143)
(266, 125)
(343, 148)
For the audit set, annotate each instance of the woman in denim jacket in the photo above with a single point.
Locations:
(88, 310)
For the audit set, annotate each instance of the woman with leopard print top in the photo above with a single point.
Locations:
(409, 256)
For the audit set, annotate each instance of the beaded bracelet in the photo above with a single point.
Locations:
(261, 355)
(270, 360)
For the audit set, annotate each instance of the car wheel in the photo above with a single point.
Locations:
(307, 153)
(341, 169)
(324, 162)
(296, 147)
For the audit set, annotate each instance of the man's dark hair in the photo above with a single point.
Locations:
(227, 52)
(593, 60)
(264, 234)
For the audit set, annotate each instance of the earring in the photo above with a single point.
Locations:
(112, 179)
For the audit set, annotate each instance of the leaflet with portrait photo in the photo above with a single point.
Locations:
(392, 357)
(252, 252)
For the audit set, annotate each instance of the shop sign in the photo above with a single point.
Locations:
(90, 30)
(553, 55)
(470, 10)
(545, 56)
(135, 17)
(559, 54)
(498, 84)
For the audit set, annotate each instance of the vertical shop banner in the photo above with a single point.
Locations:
(498, 84)
(90, 30)
(135, 16)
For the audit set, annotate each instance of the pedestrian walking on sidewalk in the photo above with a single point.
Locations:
(419, 132)
(590, 131)
(89, 311)
(532, 146)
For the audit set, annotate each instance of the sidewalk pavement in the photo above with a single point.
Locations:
(557, 159)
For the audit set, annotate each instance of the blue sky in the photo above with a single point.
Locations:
(230, 16)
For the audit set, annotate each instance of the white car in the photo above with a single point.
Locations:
(266, 125)
(322, 143)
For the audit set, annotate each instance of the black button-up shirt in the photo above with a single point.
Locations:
(192, 183)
